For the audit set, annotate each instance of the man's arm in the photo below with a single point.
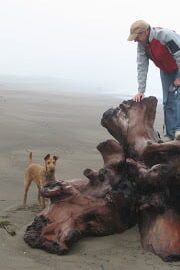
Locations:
(173, 45)
(172, 41)
(142, 70)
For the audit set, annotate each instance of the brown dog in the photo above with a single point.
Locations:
(40, 175)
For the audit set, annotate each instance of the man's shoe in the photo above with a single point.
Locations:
(177, 135)
(167, 139)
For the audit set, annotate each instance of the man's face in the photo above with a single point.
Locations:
(142, 37)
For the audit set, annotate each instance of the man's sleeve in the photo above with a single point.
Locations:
(142, 68)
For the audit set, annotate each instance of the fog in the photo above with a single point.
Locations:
(79, 42)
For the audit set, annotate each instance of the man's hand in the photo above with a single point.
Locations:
(138, 97)
(177, 82)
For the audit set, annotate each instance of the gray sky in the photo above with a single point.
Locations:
(80, 40)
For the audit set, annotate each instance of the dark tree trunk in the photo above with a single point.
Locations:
(140, 182)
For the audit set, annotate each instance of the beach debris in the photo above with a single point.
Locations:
(139, 183)
(4, 224)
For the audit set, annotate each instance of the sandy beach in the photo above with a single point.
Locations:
(67, 125)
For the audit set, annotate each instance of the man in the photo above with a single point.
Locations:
(162, 46)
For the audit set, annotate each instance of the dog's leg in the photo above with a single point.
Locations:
(43, 205)
(39, 196)
(41, 199)
(27, 183)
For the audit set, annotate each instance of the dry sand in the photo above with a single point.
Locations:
(67, 125)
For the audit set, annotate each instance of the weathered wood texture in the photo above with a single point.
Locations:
(139, 183)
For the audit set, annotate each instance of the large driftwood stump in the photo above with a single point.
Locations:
(139, 183)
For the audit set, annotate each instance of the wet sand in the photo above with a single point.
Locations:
(67, 125)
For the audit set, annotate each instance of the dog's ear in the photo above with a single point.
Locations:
(55, 157)
(47, 157)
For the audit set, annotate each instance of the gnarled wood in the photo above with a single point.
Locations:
(98, 209)
(139, 182)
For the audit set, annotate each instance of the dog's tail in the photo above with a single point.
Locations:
(30, 157)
